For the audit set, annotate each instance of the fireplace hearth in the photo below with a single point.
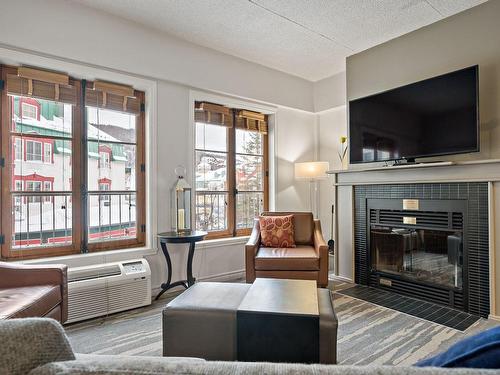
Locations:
(434, 248)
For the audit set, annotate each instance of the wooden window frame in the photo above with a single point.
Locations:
(231, 230)
(71, 90)
(140, 190)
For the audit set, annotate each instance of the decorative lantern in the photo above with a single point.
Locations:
(181, 203)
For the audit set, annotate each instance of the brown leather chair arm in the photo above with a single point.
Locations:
(14, 275)
(251, 248)
(321, 249)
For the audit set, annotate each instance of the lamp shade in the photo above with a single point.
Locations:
(311, 170)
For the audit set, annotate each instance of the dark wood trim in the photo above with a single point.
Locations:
(4, 146)
(76, 173)
(231, 179)
(265, 140)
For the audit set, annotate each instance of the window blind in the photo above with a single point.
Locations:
(252, 121)
(41, 84)
(214, 114)
(112, 96)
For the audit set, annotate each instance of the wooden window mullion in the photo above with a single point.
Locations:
(231, 177)
(5, 180)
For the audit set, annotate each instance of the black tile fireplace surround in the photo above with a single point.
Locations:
(436, 251)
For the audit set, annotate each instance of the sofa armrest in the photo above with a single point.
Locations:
(31, 342)
(321, 249)
(251, 248)
(20, 275)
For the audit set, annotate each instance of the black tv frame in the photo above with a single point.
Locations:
(410, 159)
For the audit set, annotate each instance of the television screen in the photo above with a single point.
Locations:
(437, 116)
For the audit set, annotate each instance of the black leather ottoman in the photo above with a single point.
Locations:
(204, 321)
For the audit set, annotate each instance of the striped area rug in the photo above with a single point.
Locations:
(368, 333)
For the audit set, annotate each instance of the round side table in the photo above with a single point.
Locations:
(173, 237)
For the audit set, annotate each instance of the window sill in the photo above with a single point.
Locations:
(218, 242)
(75, 260)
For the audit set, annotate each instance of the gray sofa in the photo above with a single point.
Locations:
(38, 346)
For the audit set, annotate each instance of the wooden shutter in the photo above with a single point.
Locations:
(113, 96)
(41, 84)
(214, 114)
(252, 121)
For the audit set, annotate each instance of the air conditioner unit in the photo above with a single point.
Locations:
(104, 289)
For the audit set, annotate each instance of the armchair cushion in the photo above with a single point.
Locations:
(300, 258)
(277, 231)
(30, 301)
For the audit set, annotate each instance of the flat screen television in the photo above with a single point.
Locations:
(437, 116)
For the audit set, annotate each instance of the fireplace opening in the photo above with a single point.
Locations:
(423, 255)
(421, 251)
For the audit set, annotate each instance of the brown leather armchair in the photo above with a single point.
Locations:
(309, 260)
(33, 291)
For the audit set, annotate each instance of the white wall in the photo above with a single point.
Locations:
(295, 142)
(332, 126)
(330, 92)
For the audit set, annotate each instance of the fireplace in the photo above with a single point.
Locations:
(428, 241)
(424, 247)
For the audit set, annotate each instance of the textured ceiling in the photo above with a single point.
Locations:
(306, 38)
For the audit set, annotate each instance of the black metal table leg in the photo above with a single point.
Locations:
(175, 237)
(190, 277)
(169, 285)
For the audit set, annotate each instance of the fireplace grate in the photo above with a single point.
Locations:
(429, 219)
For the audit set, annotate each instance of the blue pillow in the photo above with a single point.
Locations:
(478, 351)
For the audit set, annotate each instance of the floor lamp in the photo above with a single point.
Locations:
(312, 171)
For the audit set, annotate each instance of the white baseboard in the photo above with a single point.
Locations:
(226, 276)
(494, 317)
(340, 278)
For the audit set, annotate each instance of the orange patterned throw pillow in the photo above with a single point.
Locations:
(277, 231)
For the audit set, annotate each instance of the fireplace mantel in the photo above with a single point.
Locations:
(467, 171)
(345, 182)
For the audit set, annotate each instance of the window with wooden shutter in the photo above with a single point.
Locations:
(231, 183)
(115, 153)
(49, 181)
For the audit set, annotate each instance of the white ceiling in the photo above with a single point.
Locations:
(306, 38)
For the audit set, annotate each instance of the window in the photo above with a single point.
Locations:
(47, 186)
(18, 187)
(33, 151)
(104, 159)
(34, 186)
(104, 186)
(46, 212)
(230, 171)
(29, 111)
(47, 153)
(18, 152)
